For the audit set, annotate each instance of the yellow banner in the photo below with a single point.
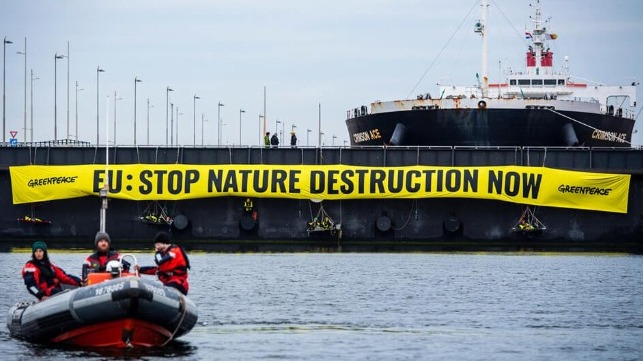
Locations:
(524, 185)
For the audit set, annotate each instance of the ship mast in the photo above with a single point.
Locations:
(482, 30)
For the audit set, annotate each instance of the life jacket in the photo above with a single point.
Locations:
(172, 267)
(97, 262)
(45, 278)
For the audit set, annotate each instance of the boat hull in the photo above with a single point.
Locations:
(490, 127)
(121, 312)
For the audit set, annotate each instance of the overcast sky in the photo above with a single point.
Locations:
(337, 53)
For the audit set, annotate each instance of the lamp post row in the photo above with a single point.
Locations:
(98, 71)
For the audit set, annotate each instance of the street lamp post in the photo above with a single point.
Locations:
(171, 123)
(334, 137)
(68, 136)
(167, 99)
(148, 120)
(77, 90)
(56, 58)
(4, 101)
(31, 102)
(177, 124)
(136, 80)
(25, 108)
(98, 71)
(219, 105)
(240, 111)
(116, 98)
(260, 131)
(307, 138)
(194, 98)
(202, 121)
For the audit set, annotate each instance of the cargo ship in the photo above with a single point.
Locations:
(536, 107)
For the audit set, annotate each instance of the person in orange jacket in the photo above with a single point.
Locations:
(42, 278)
(172, 263)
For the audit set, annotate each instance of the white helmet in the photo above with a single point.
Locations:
(115, 268)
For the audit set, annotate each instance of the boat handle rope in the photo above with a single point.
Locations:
(178, 325)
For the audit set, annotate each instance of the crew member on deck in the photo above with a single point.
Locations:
(293, 139)
(266, 140)
(43, 278)
(104, 253)
(274, 140)
(172, 263)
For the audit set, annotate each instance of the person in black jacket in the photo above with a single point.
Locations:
(274, 140)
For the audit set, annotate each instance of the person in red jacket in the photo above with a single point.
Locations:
(172, 263)
(43, 278)
(97, 261)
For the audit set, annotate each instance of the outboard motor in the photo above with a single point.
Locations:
(569, 136)
(399, 135)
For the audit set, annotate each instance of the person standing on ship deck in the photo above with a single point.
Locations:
(266, 140)
(293, 139)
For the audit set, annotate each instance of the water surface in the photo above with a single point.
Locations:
(388, 307)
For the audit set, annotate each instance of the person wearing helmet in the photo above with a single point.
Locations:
(97, 261)
(42, 277)
(172, 263)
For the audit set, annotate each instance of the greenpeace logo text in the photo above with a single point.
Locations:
(565, 188)
(51, 180)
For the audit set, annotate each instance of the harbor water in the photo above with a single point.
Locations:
(414, 306)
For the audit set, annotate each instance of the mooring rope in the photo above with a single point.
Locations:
(587, 125)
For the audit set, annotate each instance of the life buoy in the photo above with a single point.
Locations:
(482, 104)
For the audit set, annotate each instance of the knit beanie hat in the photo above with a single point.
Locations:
(163, 237)
(39, 245)
(102, 235)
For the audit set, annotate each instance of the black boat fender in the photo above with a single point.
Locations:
(180, 222)
(452, 224)
(482, 104)
(247, 222)
(569, 135)
(383, 223)
(399, 135)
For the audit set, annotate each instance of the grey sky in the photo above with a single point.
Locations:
(340, 53)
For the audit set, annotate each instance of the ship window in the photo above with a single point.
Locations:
(512, 81)
(561, 81)
(524, 82)
(550, 81)
(536, 82)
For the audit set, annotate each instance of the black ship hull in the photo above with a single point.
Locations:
(490, 127)
(222, 224)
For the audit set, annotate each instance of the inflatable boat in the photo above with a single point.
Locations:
(116, 309)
